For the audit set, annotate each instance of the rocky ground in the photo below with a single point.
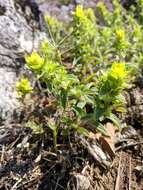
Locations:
(27, 161)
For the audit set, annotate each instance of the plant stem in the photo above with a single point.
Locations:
(55, 139)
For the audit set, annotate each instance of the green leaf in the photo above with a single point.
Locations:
(36, 128)
(89, 119)
(79, 111)
(115, 120)
(52, 127)
(98, 126)
(81, 104)
(83, 131)
(121, 109)
(99, 112)
(51, 124)
(64, 98)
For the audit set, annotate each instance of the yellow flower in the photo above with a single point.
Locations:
(79, 11)
(23, 87)
(118, 71)
(90, 14)
(120, 34)
(34, 61)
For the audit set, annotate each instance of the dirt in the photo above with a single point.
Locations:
(29, 163)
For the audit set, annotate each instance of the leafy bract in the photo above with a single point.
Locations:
(23, 87)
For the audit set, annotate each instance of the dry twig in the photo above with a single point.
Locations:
(128, 145)
(117, 185)
(130, 173)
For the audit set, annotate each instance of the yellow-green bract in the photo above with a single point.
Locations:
(23, 87)
(35, 62)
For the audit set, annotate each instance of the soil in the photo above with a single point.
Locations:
(38, 167)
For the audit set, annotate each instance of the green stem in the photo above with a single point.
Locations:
(55, 140)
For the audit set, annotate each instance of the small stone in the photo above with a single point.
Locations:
(80, 182)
